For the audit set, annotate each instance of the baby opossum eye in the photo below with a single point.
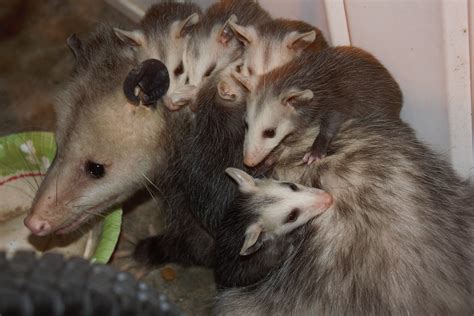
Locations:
(210, 70)
(95, 170)
(179, 70)
(238, 68)
(293, 216)
(292, 186)
(269, 133)
(246, 126)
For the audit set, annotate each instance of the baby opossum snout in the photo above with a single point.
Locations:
(152, 79)
(280, 207)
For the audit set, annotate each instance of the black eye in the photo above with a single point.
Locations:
(293, 216)
(292, 186)
(179, 70)
(269, 133)
(187, 80)
(210, 70)
(246, 126)
(238, 68)
(95, 170)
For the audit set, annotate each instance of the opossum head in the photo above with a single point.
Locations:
(272, 116)
(272, 44)
(106, 147)
(206, 54)
(163, 33)
(280, 207)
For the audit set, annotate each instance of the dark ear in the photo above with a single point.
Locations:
(75, 45)
(253, 240)
(131, 38)
(226, 34)
(186, 25)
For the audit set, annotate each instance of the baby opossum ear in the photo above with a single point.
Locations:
(226, 34)
(253, 240)
(293, 98)
(241, 33)
(245, 82)
(245, 181)
(186, 26)
(300, 41)
(75, 45)
(131, 38)
(225, 91)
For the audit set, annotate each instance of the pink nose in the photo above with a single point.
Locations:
(327, 199)
(37, 226)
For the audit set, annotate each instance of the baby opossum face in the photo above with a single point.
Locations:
(265, 52)
(168, 47)
(206, 54)
(280, 207)
(106, 147)
(269, 120)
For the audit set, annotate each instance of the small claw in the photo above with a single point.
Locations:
(311, 157)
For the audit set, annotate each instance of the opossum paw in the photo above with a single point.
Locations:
(312, 156)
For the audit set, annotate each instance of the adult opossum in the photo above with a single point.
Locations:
(319, 89)
(397, 241)
(107, 147)
(261, 227)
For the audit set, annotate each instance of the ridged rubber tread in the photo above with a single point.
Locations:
(54, 286)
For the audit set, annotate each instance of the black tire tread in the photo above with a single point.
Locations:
(56, 286)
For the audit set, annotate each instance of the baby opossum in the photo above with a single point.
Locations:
(260, 223)
(274, 43)
(107, 147)
(196, 183)
(162, 35)
(397, 241)
(212, 45)
(316, 90)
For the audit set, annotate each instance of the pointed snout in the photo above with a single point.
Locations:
(37, 226)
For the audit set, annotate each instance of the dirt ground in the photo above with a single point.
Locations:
(35, 63)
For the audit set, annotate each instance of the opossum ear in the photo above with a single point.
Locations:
(75, 45)
(245, 82)
(253, 240)
(226, 34)
(225, 91)
(242, 33)
(245, 181)
(300, 41)
(293, 98)
(186, 25)
(131, 38)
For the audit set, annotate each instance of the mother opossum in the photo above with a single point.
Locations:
(397, 241)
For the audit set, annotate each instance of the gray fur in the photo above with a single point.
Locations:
(398, 240)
